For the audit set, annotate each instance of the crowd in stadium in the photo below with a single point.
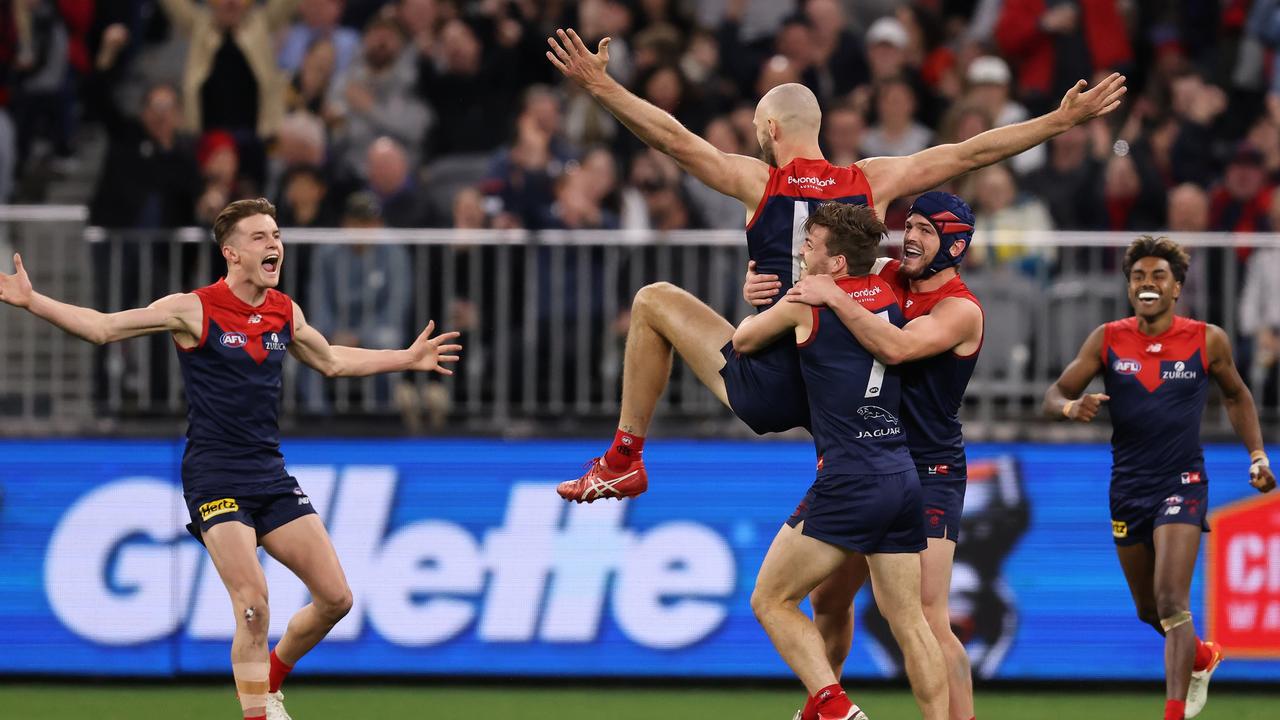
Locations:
(445, 113)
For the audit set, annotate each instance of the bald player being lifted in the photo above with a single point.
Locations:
(764, 389)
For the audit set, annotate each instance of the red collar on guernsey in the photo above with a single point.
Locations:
(224, 289)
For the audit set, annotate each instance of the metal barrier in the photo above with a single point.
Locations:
(544, 322)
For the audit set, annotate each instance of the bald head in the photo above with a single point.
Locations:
(789, 113)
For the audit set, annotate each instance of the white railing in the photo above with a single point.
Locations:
(544, 318)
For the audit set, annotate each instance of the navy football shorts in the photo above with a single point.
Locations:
(1140, 505)
(765, 389)
(865, 513)
(264, 508)
(943, 499)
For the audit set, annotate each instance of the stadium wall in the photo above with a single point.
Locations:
(464, 561)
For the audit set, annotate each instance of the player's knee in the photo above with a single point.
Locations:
(764, 602)
(1150, 616)
(336, 605)
(1170, 604)
(650, 297)
(251, 606)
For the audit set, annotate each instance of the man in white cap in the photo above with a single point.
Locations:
(988, 80)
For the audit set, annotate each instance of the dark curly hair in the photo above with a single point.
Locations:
(853, 231)
(1158, 247)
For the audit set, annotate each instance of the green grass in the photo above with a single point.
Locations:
(348, 702)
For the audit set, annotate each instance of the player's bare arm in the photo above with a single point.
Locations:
(953, 324)
(737, 176)
(426, 354)
(1240, 408)
(760, 331)
(1063, 398)
(894, 177)
(179, 314)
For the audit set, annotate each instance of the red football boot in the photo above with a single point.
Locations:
(600, 481)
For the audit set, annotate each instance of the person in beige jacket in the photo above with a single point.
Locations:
(252, 28)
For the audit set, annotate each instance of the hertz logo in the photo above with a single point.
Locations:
(218, 507)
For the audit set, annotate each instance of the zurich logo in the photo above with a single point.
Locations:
(1125, 366)
(234, 339)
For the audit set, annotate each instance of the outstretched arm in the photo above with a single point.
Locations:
(179, 314)
(1062, 399)
(950, 324)
(895, 177)
(737, 176)
(425, 354)
(1239, 405)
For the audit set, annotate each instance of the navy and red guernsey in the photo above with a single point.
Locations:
(775, 235)
(233, 382)
(933, 388)
(1158, 385)
(853, 398)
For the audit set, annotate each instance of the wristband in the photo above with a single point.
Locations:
(1066, 409)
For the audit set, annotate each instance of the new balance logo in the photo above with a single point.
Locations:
(254, 319)
(1155, 348)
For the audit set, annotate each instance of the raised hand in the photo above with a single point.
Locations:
(1086, 408)
(16, 289)
(759, 289)
(1078, 105)
(571, 57)
(430, 353)
(815, 290)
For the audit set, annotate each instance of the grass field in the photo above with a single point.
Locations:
(348, 702)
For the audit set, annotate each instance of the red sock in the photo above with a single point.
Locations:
(1175, 709)
(278, 673)
(625, 450)
(1204, 655)
(832, 702)
(810, 711)
(255, 717)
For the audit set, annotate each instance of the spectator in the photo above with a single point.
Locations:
(231, 80)
(1005, 215)
(376, 97)
(718, 210)
(887, 42)
(309, 89)
(1260, 318)
(1188, 209)
(1197, 106)
(469, 210)
(578, 205)
(1069, 182)
(318, 22)
(1241, 202)
(149, 178)
(988, 78)
(393, 182)
(300, 143)
(470, 86)
(843, 130)
(304, 201)
(1132, 202)
(895, 132)
(522, 177)
(40, 101)
(219, 162)
(777, 70)
(839, 59)
(359, 296)
(1054, 43)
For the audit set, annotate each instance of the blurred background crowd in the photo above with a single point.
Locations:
(445, 113)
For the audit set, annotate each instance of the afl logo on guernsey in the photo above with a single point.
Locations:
(1125, 366)
(234, 339)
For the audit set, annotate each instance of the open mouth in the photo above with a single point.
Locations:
(1148, 298)
(911, 252)
(271, 263)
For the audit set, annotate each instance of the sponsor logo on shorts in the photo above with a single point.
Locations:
(1173, 500)
(218, 507)
(1126, 366)
(234, 339)
(939, 469)
(304, 500)
(1179, 372)
(273, 343)
(1120, 528)
(935, 516)
(1173, 510)
(1190, 478)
